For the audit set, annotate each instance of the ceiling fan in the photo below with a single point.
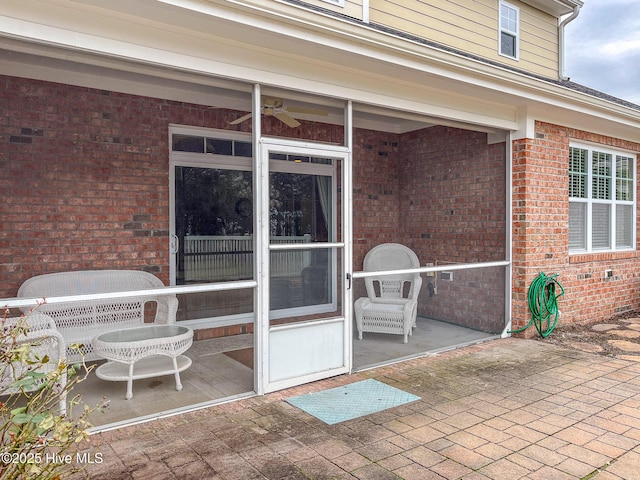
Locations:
(274, 106)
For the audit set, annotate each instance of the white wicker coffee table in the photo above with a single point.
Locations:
(143, 352)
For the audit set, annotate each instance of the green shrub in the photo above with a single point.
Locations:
(38, 439)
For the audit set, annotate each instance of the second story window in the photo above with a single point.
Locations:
(509, 30)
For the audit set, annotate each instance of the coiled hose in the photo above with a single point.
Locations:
(543, 304)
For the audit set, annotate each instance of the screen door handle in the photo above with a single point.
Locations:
(175, 244)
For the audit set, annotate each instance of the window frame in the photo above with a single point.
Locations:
(502, 28)
(337, 3)
(591, 196)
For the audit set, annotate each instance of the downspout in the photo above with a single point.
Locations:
(508, 300)
(564, 23)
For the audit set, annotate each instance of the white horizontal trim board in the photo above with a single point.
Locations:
(448, 267)
(209, 287)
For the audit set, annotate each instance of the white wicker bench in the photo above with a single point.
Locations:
(80, 322)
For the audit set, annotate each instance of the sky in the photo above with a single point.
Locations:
(602, 48)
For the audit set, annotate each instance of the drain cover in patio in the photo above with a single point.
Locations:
(351, 401)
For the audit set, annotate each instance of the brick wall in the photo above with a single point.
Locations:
(541, 236)
(85, 176)
(453, 211)
(85, 185)
(441, 192)
(84, 179)
(376, 191)
(453, 195)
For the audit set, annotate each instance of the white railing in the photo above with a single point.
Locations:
(210, 258)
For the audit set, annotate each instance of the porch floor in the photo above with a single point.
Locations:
(222, 368)
(430, 336)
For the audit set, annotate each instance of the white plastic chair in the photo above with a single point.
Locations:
(391, 304)
(43, 340)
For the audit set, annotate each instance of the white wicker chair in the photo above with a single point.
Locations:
(386, 309)
(44, 341)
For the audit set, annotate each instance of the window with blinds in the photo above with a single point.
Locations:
(601, 200)
(509, 30)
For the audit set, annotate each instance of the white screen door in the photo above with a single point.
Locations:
(305, 263)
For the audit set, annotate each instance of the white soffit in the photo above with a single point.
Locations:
(367, 81)
(557, 8)
(382, 75)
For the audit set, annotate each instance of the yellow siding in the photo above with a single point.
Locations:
(538, 41)
(351, 8)
(472, 26)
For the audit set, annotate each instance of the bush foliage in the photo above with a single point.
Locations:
(38, 439)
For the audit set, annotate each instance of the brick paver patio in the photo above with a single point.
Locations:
(506, 409)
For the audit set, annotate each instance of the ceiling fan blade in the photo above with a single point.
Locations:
(283, 117)
(241, 119)
(310, 111)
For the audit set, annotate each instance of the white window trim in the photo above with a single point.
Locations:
(338, 3)
(590, 201)
(502, 28)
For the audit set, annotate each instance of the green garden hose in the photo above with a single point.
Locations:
(543, 304)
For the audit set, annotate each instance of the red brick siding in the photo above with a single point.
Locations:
(541, 236)
(452, 203)
(85, 176)
(440, 191)
(84, 181)
(376, 192)
(85, 185)
(453, 195)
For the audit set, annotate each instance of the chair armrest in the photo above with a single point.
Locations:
(415, 288)
(410, 305)
(47, 342)
(51, 336)
(392, 301)
(167, 309)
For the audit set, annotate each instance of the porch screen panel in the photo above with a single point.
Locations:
(304, 278)
(303, 210)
